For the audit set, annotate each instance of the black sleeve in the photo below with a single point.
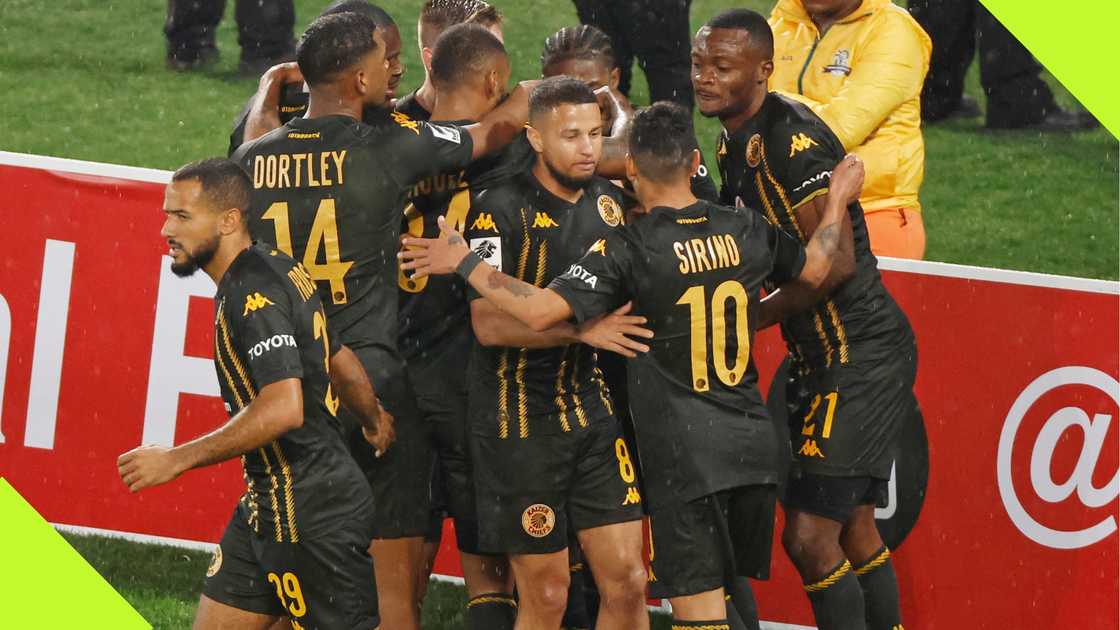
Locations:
(787, 256)
(703, 186)
(422, 148)
(494, 234)
(237, 136)
(265, 324)
(808, 151)
(598, 283)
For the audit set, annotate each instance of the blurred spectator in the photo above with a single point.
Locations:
(264, 31)
(860, 65)
(1017, 96)
(657, 33)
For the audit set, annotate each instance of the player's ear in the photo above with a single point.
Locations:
(765, 69)
(631, 170)
(230, 222)
(616, 77)
(695, 165)
(426, 56)
(534, 138)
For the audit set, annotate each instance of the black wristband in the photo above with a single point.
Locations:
(467, 265)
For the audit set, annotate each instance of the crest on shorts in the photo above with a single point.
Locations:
(609, 210)
(754, 151)
(215, 562)
(538, 520)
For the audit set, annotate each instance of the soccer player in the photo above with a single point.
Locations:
(296, 545)
(546, 447)
(436, 16)
(853, 356)
(281, 88)
(694, 270)
(585, 53)
(469, 73)
(330, 190)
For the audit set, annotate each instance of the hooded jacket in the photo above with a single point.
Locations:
(863, 77)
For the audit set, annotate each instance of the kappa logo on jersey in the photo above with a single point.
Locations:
(538, 520)
(599, 247)
(542, 220)
(255, 302)
(583, 275)
(841, 64)
(633, 497)
(609, 210)
(485, 221)
(799, 143)
(404, 121)
(810, 449)
(450, 134)
(754, 150)
(489, 249)
(275, 341)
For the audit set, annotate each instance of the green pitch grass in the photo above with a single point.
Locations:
(86, 79)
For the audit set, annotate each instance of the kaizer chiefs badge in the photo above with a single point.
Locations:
(754, 151)
(538, 520)
(215, 562)
(609, 210)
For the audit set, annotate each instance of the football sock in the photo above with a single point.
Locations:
(742, 602)
(880, 591)
(491, 611)
(837, 600)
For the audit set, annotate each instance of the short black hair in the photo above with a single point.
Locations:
(662, 141)
(463, 50)
(442, 14)
(379, 16)
(332, 44)
(224, 183)
(755, 25)
(584, 42)
(560, 90)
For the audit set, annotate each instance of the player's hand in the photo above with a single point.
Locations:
(148, 466)
(847, 178)
(385, 434)
(616, 108)
(617, 332)
(282, 74)
(434, 256)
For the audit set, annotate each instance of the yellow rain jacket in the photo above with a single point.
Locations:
(864, 78)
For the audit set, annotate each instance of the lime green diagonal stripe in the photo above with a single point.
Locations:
(1077, 43)
(45, 583)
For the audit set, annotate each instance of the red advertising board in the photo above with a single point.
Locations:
(101, 349)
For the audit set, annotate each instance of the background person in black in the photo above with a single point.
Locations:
(296, 544)
(281, 88)
(707, 442)
(546, 448)
(330, 190)
(436, 16)
(853, 356)
(470, 72)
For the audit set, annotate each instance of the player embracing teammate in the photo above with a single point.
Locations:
(512, 410)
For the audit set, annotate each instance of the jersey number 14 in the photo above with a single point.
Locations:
(324, 236)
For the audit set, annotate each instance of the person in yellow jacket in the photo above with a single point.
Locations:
(860, 66)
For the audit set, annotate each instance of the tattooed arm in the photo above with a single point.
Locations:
(830, 253)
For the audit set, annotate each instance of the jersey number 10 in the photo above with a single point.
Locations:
(324, 235)
(697, 303)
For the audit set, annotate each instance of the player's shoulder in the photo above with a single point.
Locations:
(505, 197)
(262, 276)
(789, 118)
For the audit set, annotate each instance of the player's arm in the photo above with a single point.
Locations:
(277, 409)
(615, 332)
(264, 113)
(829, 255)
(502, 124)
(350, 381)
